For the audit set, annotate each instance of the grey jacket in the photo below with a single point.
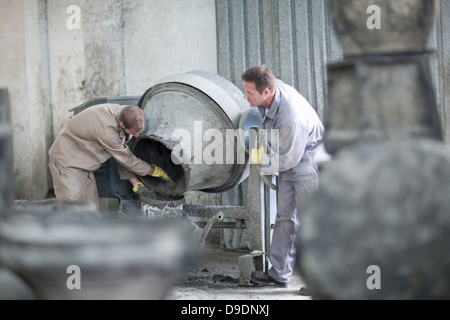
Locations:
(294, 131)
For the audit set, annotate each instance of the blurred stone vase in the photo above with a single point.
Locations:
(68, 251)
(378, 227)
(404, 25)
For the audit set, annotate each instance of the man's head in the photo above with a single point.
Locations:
(259, 85)
(132, 120)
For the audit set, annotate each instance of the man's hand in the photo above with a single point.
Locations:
(160, 173)
(142, 191)
(256, 154)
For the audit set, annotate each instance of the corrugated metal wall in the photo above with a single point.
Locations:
(296, 40)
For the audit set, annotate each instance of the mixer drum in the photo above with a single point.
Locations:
(192, 131)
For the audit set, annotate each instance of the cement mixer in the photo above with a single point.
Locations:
(198, 131)
(193, 132)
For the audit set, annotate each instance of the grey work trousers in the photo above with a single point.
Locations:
(291, 197)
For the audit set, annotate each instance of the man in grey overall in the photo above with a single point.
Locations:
(299, 132)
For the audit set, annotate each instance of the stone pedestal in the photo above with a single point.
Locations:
(69, 252)
(404, 25)
(380, 218)
(380, 97)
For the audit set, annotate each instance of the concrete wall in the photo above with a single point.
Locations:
(53, 59)
(24, 73)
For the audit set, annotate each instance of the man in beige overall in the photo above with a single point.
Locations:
(89, 139)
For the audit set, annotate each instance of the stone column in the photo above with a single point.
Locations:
(383, 88)
(379, 225)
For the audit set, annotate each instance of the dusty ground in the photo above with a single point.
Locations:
(216, 277)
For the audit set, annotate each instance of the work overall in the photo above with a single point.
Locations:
(294, 131)
(85, 142)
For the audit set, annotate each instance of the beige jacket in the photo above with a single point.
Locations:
(93, 136)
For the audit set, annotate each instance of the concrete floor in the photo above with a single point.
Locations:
(216, 277)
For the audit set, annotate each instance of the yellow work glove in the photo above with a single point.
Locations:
(139, 187)
(145, 194)
(256, 154)
(160, 173)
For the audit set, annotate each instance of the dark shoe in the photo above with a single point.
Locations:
(263, 279)
(304, 291)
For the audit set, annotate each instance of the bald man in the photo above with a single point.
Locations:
(89, 139)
